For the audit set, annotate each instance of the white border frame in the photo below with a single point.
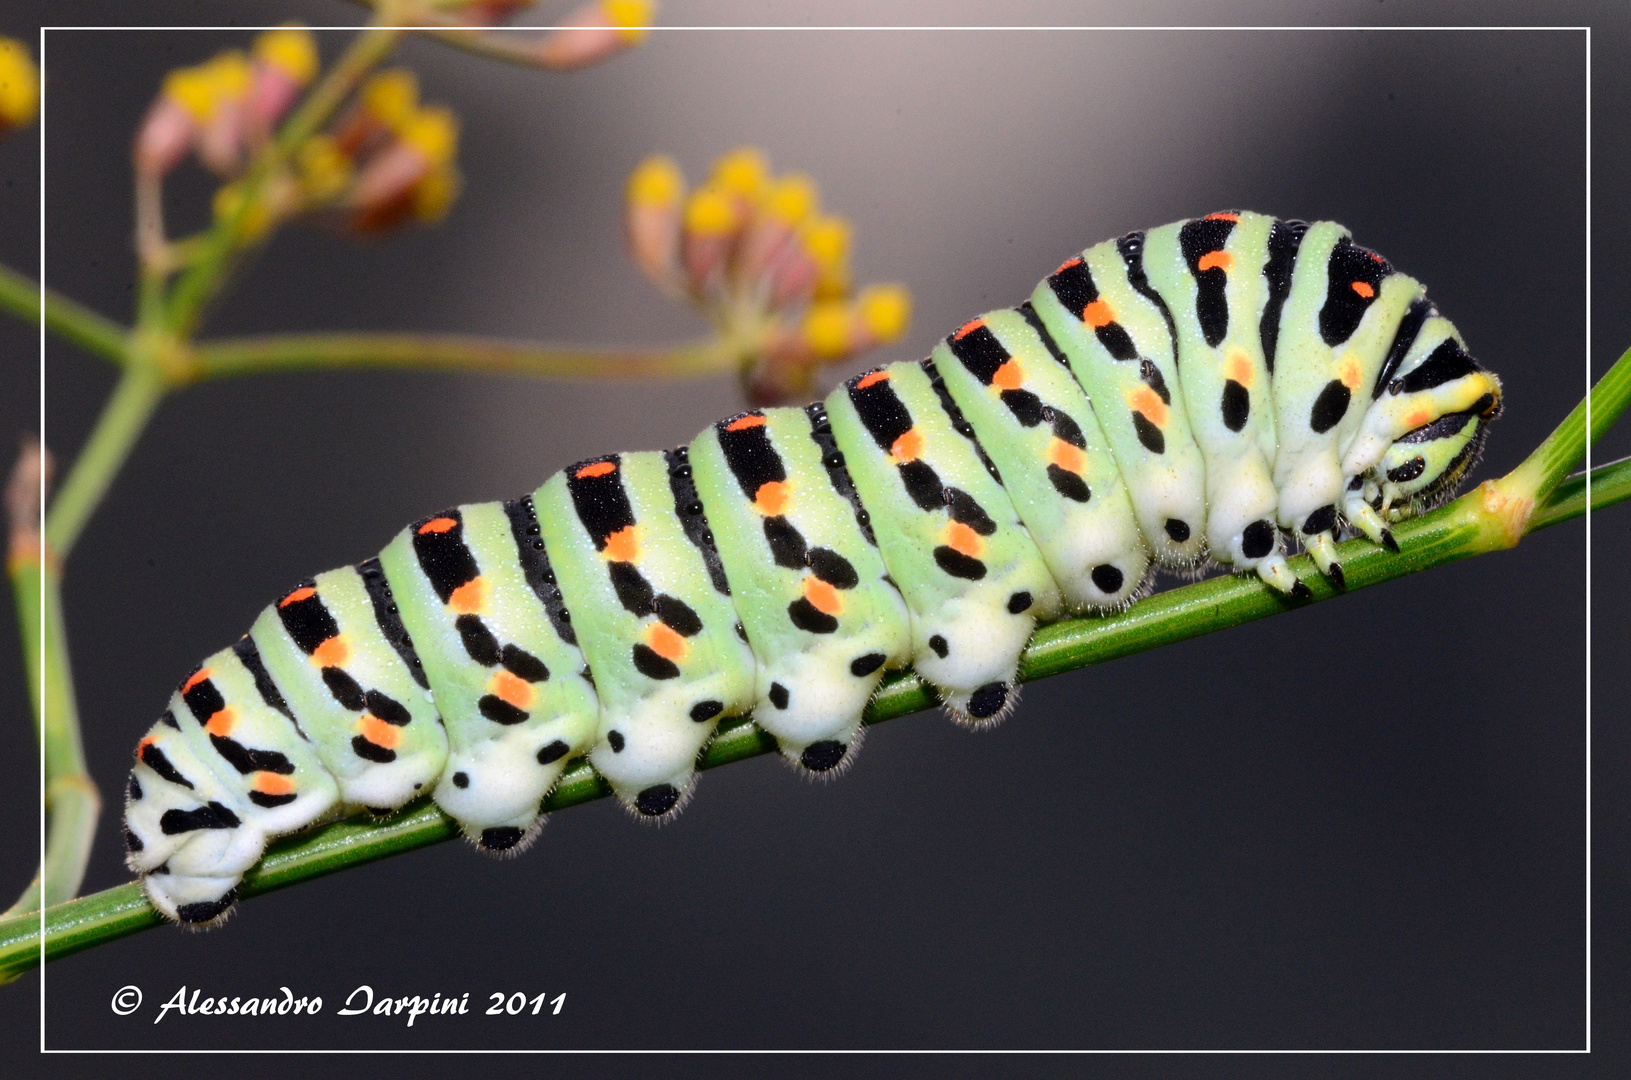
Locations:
(43, 1049)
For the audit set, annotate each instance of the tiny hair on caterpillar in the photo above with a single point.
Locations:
(1214, 391)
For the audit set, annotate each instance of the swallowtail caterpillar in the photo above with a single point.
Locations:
(1201, 391)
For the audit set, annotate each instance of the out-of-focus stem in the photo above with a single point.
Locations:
(71, 800)
(116, 431)
(72, 321)
(239, 356)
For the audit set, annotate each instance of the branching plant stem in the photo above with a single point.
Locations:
(1492, 517)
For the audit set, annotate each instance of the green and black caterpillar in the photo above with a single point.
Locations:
(1202, 390)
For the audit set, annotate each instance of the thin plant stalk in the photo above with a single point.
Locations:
(1479, 522)
(291, 352)
(71, 800)
(122, 421)
(72, 321)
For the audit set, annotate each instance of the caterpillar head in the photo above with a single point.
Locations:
(1426, 426)
(1424, 468)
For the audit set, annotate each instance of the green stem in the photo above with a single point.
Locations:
(1609, 397)
(219, 247)
(23, 568)
(71, 799)
(1555, 458)
(116, 431)
(240, 356)
(1453, 532)
(96, 334)
(1610, 484)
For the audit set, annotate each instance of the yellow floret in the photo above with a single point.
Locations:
(656, 182)
(193, 90)
(325, 172)
(391, 97)
(19, 85)
(229, 75)
(632, 18)
(885, 310)
(435, 194)
(827, 328)
(291, 50)
(793, 198)
(710, 212)
(826, 241)
(434, 132)
(744, 171)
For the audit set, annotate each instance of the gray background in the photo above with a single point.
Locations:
(1357, 825)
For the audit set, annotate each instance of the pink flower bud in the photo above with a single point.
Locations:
(285, 61)
(383, 193)
(223, 142)
(703, 258)
(791, 277)
(654, 197)
(272, 97)
(167, 134)
(654, 241)
(712, 225)
(768, 239)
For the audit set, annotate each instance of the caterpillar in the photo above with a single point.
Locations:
(1207, 392)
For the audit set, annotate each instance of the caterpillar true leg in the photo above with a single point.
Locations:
(1161, 397)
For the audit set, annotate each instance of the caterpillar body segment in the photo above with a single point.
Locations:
(359, 695)
(476, 591)
(1206, 388)
(1011, 383)
(1217, 319)
(1116, 332)
(973, 579)
(223, 769)
(1339, 320)
(652, 611)
(820, 613)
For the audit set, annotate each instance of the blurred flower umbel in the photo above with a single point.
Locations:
(19, 86)
(226, 107)
(386, 159)
(755, 254)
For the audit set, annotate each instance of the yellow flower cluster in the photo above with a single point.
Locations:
(19, 86)
(391, 158)
(225, 108)
(387, 158)
(754, 251)
(206, 89)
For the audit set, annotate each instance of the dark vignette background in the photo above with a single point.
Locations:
(1358, 825)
